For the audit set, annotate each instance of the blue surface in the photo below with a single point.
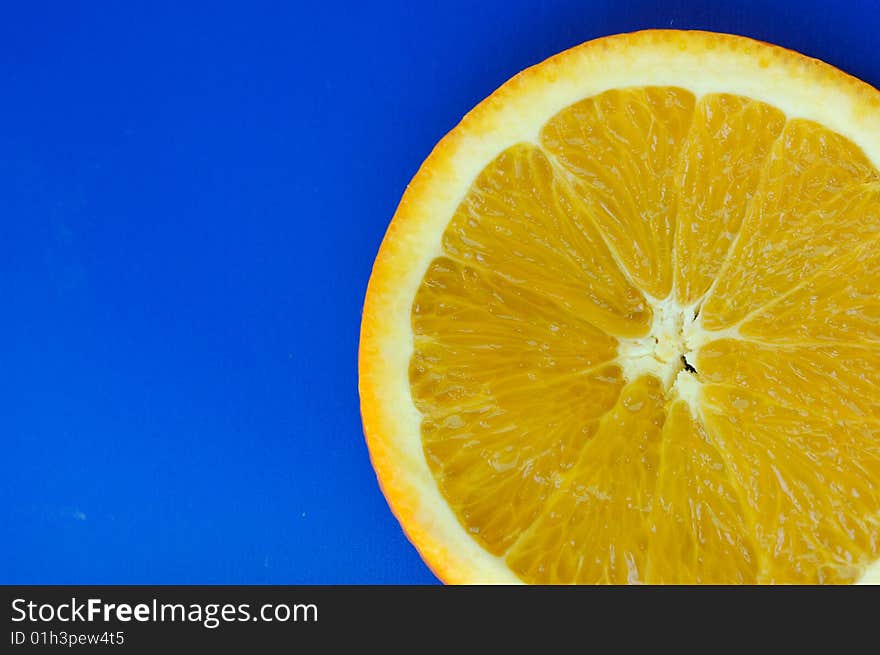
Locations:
(191, 199)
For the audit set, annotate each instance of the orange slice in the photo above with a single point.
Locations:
(624, 326)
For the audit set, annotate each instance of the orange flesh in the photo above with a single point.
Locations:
(554, 455)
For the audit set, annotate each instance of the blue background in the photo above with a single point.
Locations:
(191, 197)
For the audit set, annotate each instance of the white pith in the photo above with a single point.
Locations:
(675, 333)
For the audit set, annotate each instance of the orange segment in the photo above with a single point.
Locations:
(723, 157)
(700, 532)
(808, 481)
(522, 221)
(596, 526)
(510, 387)
(840, 303)
(809, 184)
(834, 381)
(632, 198)
(800, 426)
